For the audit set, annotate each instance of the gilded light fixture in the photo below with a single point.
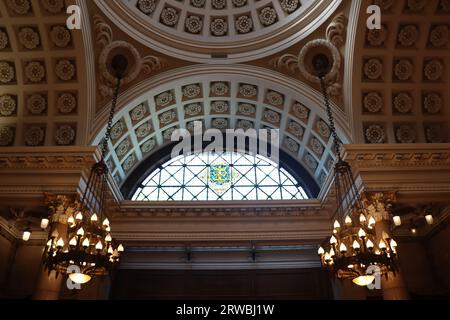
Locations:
(353, 251)
(88, 247)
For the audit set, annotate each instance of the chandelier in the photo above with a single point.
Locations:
(87, 249)
(354, 251)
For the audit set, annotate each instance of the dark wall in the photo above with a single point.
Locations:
(240, 284)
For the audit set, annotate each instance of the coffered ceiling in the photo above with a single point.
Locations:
(401, 73)
(42, 82)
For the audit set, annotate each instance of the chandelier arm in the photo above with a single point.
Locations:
(111, 117)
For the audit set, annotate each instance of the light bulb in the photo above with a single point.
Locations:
(333, 240)
(94, 218)
(71, 221)
(110, 250)
(120, 248)
(108, 229)
(44, 223)
(414, 231)
(80, 232)
(369, 244)
(372, 222)
(361, 233)
(362, 218)
(393, 244)
(321, 251)
(332, 253)
(99, 245)
(337, 225)
(73, 242)
(49, 243)
(343, 248)
(348, 221)
(356, 245)
(108, 238)
(335, 231)
(106, 222)
(26, 235)
(397, 221)
(79, 216)
(327, 257)
(60, 243)
(86, 243)
(429, 218)
(382, 245)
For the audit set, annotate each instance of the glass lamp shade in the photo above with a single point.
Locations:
(363, 281)
(397, 221)
(429, 218)
(80, 278)
(26, 235)
(44, 223)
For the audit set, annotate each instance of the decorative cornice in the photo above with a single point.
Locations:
(404, 157)
(60, 158)
(304, 208)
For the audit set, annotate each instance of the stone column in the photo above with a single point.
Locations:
(394, 287)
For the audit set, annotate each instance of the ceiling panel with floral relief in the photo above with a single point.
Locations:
(41, 75)
(402, 74)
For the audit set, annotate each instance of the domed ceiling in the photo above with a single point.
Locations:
(201, 30)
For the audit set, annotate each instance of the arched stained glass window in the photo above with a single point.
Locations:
(219, 176)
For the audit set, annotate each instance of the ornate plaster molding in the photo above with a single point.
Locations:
(137, 64)
(335, 39)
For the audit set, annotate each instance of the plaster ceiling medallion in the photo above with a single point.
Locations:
(198, 29)
(4, 39)
(29, 38)
(109, 49)
(375, 134)
(36, 104)
(8, 105)
(373, 102)
(19, 7)
(66, 103)
(295, 129)
(34, 136)
(65, 135)
(6, 136)
(329, 47)
(60, 36)
(7, 72)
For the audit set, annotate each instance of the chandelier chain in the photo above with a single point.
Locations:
(110, 119)
(337, 142)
